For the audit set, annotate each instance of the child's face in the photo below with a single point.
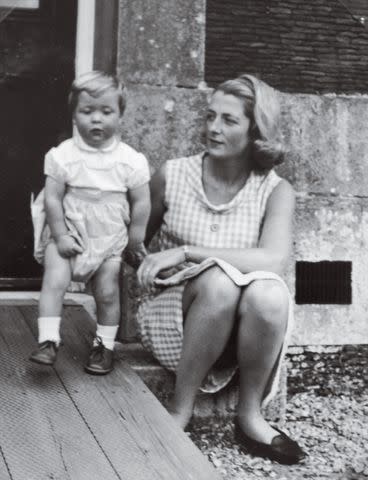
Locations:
(97, 119)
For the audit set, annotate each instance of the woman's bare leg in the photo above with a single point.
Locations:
(263, 311)
(209, 306)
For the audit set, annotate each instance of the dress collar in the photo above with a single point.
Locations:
(80, 143)
(194, 172)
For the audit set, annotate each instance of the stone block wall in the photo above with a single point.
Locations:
(162, 42)
(161, 59)
(327, 139)
(164, 121)
(327, 136)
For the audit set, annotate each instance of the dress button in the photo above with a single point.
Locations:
(214, 227)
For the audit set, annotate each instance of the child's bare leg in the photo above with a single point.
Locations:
(105, 288)
(56, 278)
(106, 291)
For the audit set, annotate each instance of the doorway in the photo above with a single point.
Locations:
(36, 68)
(43, 44)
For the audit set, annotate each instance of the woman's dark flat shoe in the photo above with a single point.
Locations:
(282, 449)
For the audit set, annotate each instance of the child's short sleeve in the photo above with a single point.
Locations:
(53, 168)
(140, 173)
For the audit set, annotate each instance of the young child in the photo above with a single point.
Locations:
(97, 203)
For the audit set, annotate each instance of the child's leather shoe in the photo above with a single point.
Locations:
(45, 354)
(101, 360)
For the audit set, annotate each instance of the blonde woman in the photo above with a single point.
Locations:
(215, 301)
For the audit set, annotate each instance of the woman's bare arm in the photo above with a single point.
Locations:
(271, 254)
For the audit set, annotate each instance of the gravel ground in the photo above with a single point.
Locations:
(332, 430)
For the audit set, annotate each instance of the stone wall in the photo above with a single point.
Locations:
(327, 138)
(314, 46)
(162, 42)
(326, 135)
(161, 58)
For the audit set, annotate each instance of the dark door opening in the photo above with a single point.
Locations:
(36, 69)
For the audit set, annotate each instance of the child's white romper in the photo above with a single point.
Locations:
(96, 208)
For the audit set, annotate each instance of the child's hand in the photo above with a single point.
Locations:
(135, 254)
(67, 246)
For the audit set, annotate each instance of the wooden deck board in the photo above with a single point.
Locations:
(4, 472)
(135, 433)
(42, 434)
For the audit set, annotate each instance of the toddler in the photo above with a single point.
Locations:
(95, 204)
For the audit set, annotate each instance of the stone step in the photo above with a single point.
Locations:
(161, 382)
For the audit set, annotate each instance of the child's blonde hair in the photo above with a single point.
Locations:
(261, 106)
(96, 83)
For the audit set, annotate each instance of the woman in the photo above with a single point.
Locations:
(215, 301)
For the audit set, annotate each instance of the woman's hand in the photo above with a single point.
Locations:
(154, 263)
(67, 246)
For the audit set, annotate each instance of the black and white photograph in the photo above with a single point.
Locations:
(184, 239)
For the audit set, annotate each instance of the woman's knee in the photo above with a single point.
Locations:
(216, 288)
(268, 300)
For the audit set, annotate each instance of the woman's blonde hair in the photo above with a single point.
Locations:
(261, 106)
(96, 83)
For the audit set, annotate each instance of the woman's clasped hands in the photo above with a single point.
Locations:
(159, 264)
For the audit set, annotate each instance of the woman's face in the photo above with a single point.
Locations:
(227, 127)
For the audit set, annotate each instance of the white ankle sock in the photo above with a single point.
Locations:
(107, 333)
(49, 329)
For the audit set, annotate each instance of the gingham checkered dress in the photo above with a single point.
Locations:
(190, 219)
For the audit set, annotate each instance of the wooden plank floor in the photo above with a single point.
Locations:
(62, 424)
